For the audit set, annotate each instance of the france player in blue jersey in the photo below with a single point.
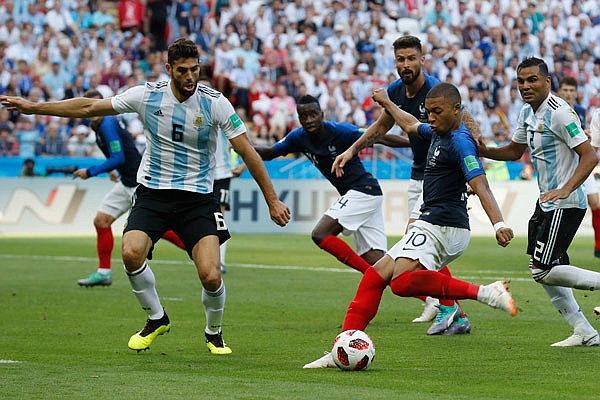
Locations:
(358, 212)
(563, 159)
(441, 234)
(181, 121)
(122, 156)
(408, 93)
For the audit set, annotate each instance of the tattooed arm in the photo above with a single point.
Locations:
(470, 123)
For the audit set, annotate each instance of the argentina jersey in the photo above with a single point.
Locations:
(181, 137)
(222, 157)
(551, 134)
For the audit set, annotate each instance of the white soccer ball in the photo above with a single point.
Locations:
(353, 350)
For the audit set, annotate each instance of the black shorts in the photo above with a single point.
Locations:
(190, 215)
(550, 235)
(221, 191)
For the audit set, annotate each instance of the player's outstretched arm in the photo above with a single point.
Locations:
(509, 152)
(267, 153)
(394, 140)
(79, 107)
(470, 123)
(480, 186)
(406, 121)
(280, 213)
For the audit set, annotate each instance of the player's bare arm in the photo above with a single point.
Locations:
(394, 140)
(470, 123)
(79, 107)
(510, 152)
(480, 186)
(267, 153)
(406, 121)
(373, 133)
(587, 161)
(280, 213)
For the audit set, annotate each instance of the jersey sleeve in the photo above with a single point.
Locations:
(595, 129)
(129, 101)
(567, 126)
(109, 131)
(424, 130)
(227, 119)
(520, 134)
(288, 144)
(468, 158)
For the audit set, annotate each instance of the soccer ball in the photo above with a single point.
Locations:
(353, 350)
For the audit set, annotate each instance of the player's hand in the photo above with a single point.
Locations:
(481, 146)
(380, 96)
(114, 176)
(81, 173)
(553, 195)
(13, 103)
(504, 236)
(280, 213)
(337, 167)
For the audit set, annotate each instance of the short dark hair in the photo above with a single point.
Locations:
(568, 81)
(308, 99)
(446, 90)
(408, 42)
(93, 94)
(182, 48)
(534, 62)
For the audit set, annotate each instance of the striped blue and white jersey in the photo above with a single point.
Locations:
(181, 137)
(223, 158)
(551, 134)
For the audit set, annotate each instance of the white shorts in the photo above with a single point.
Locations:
(590, 186)
(118, 201)
(415, 198)
(361, 216)
(433, 245)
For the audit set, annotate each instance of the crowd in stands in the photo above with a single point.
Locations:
(264, 55)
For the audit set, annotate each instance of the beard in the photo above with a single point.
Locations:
(408, 79)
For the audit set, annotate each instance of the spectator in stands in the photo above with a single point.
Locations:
(362, 85)
(55, 80)
(28, 137)
(281, 112)
(52, 144)
(79, 145)
(8, 143)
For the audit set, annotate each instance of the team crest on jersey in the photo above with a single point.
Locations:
(198, 119)
(422, 112)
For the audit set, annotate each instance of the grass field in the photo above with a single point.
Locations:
(285, 303)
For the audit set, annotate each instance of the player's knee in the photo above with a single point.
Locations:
(103, 221)
(318, 236)
(132, 255)
(210, 277)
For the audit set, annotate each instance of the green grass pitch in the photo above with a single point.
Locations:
(285, 303)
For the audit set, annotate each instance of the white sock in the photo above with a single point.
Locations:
(573, 277)
(223, 251)
(143, 285)
(563, 300)
(214, 304)
(104, 270)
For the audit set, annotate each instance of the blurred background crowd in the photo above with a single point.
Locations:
(263, 55)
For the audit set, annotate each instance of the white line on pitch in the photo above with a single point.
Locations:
(493, 274)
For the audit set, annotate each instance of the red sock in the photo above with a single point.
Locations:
(446, 271)
(104, 246)
(344, 253)
(173, 238)
(434, 284)
(366, 302)
(596, 225)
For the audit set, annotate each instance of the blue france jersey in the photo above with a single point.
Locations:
(181, 137)
(118, 146)
(452, 161)
(416, 107)
(338, 138)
